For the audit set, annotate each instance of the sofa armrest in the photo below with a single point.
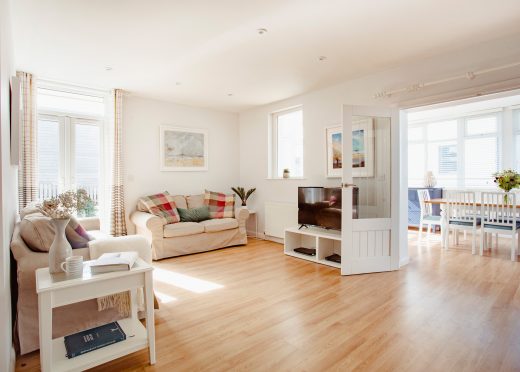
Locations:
(148, 221)
(90, 223)
(131, 243)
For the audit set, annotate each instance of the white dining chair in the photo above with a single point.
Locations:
(500, 217)
(426, 218)
(462, 215)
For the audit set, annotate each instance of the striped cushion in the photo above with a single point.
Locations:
(162, 205)
(220, 205)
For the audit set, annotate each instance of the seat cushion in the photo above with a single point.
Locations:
(182, 229)
(464, 223)
(219, 224)
(490, 225)
(432, 219)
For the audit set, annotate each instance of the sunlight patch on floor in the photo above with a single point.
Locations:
(164, 298)
(184, 281)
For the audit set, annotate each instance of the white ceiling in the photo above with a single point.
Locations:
(212, 47)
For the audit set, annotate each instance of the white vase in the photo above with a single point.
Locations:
(60, 248)
(429, 180)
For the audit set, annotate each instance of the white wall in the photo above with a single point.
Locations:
(143, 117)
(8, 195)
(322, 108)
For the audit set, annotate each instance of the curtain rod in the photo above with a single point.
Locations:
(470, 75)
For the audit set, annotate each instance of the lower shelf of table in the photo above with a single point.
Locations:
(313, 259)
(139, 341)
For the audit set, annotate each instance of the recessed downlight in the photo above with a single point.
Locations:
(230, 94)
(322, 58)
(108, 68)
(261, 31)
(178, 83)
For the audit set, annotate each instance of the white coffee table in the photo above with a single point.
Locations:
(58, 290)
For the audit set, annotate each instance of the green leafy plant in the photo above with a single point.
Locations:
(243, 194)
(507, 180)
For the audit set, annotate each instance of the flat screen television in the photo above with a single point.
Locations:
(321, 206)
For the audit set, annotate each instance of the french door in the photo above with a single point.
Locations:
(370, 218)
(69, 155)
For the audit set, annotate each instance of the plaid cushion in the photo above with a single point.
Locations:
(162, 205)
(220, 205)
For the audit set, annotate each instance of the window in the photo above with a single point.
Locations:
(461, 152)
(287, 143)
(516, 129)
(70, 137)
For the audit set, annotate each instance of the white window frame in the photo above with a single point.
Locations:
(273, 140)
(67, 121)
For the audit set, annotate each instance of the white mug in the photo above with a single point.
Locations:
(73, 265)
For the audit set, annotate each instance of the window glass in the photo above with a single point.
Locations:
(289, 141)
(481, 125)
(416, 164)
(415, 133)
(87, 159)
(480, 161)
(48, 157)
(443, 130)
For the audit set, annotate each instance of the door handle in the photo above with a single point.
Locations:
(345, 185)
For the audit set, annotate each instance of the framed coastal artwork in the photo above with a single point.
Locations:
(362, 149)
(183, 149)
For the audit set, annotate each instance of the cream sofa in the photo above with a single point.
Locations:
(71, 318)
(189, 237)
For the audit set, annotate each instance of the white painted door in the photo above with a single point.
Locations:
(370, 217)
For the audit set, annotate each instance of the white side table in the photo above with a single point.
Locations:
(57, 290)
(253, 213)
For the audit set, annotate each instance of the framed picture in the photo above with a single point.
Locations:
(334, 151)
(362, 149)
(183, 149)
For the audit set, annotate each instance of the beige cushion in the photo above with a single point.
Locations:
(30, 209)
(195, 201)
(37, 232)
(180, 202)
(173, 230)
(219, 224)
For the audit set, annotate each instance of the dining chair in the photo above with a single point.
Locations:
(462, 215)
(499, 216)
(426, 218)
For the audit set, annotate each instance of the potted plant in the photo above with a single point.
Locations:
(243, 194)
(286, 173)
(507, 180)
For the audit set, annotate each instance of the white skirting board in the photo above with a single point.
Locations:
(278, 217)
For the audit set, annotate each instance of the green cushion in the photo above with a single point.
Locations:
(194, 214)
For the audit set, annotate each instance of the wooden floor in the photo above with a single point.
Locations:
(252, 308)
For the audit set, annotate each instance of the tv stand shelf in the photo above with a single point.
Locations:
(326, 243)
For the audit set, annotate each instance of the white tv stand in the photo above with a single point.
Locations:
(326, 242)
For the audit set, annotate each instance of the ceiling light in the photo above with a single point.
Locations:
(322, 58)
(261, 31)
(178, 83)
(108, 68)
(230, 94)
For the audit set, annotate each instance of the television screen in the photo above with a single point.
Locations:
(321, 206)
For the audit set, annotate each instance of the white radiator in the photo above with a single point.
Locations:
(278, 217)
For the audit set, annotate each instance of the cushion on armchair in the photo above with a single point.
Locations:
(37, 231)
(162, 205)
(220, 205)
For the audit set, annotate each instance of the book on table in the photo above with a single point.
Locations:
(93, 339)
(117, 261)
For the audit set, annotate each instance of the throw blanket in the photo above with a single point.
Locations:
(120, 301)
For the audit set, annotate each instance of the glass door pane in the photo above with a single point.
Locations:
(48, 157)
(87, 162)
(371, 167)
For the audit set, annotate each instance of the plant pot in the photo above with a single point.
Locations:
(285, 174)
(60, 248)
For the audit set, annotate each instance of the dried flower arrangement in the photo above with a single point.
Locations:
(66, 204)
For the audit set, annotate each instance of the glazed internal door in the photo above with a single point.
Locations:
(370, 233)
